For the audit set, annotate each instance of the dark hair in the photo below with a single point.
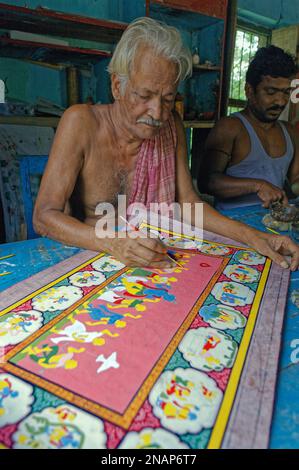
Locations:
(272, 61)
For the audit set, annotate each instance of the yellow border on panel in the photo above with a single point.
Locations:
(231, 389)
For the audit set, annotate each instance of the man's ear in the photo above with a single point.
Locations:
(249, 91)
(115, 86)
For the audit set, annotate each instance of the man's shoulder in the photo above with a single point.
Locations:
(290, 127)
(291, 130)
(228, 121)
(84, 119)
(79, 112)
(229, 126)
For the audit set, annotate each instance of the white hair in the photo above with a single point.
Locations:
(163, 40)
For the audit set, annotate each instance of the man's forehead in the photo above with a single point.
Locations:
(153, 88)
(153, 81)
(146, 62)
(276, 82)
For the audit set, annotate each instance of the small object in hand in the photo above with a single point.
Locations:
(171, 256)
(273, 224)
(282, 213)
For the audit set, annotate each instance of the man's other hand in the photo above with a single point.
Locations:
(280, 249)
(269, 193)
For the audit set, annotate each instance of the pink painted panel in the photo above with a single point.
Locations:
(138, 347)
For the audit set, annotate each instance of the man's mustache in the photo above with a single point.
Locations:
(276, 108)
(150, 122)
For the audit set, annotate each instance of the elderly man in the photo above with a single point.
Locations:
(135, 146)
(250, 154)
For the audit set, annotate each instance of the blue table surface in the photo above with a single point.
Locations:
(32, 256)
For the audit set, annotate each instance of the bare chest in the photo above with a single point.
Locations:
(105, 176)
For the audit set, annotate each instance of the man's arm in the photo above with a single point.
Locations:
(213, 221)
(293, 173)
(64, 164)
(66, 159)
(219, 150)
(273, 246)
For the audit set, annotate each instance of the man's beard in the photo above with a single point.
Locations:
(261, 115)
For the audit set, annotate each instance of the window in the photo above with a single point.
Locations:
(246, 44)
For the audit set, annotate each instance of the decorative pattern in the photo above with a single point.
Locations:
(64, 427)
(222, 317)
(233, 293)
(252, 258)
(87, 279)
(208, 349)
(241, 273)
(57, 298)
(185, 401)
(15, 399)
(215, 249)
(16, 326)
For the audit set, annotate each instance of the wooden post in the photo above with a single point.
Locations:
(72, 85)
(147, 8)
(231, 26)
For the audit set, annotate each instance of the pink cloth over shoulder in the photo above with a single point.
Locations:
(154, 178)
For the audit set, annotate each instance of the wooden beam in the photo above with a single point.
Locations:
(30, 120)
(199, 124)
(237, 103)
(45, 21)
(231, 27)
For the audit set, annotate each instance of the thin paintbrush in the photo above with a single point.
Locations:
(136, 229)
